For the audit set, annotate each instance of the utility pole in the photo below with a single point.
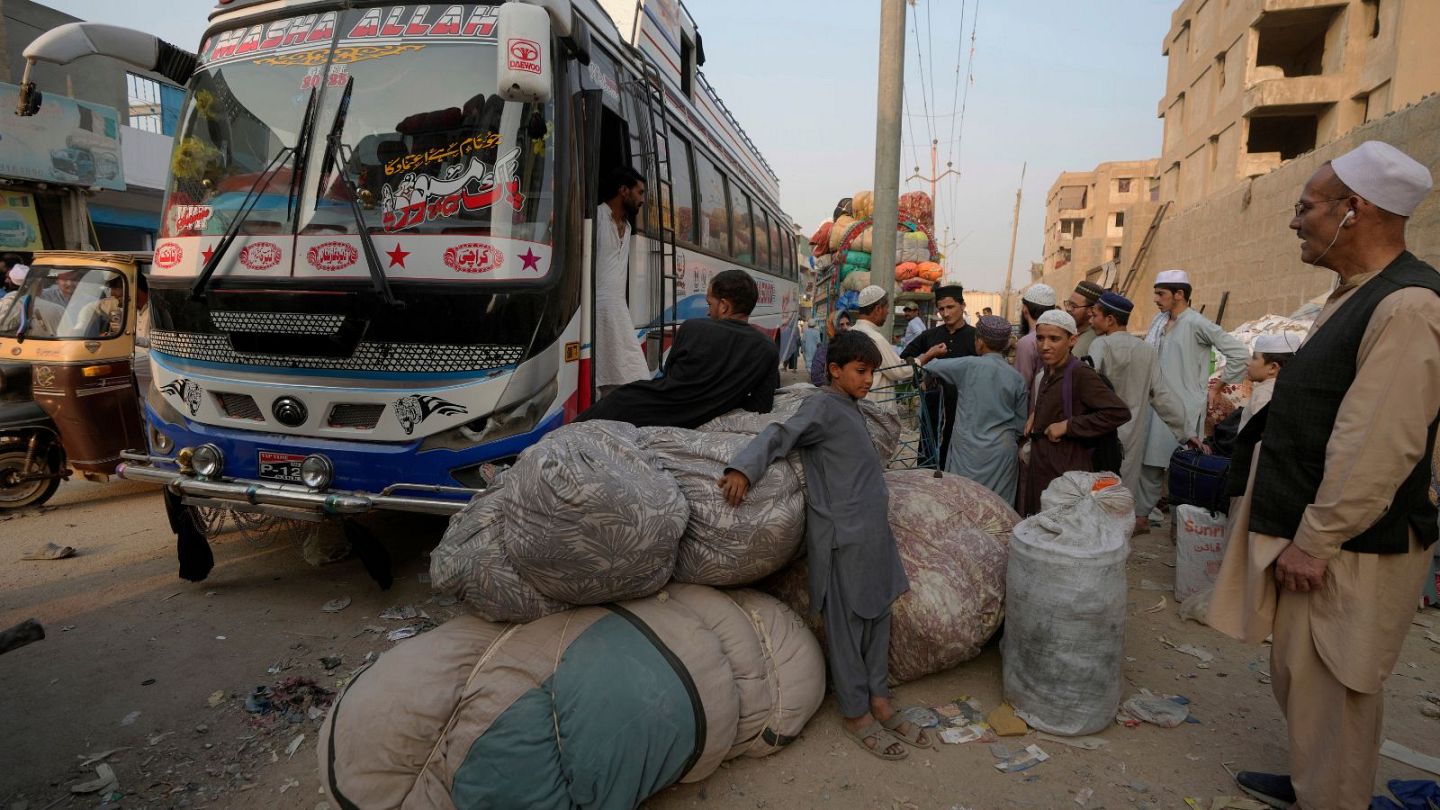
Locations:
(1014, 231)
(934, 178)
(890, 94)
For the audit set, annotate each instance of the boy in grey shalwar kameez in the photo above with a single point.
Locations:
(855, 570)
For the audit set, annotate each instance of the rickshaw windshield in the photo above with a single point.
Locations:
(424, 141)
(66, 303)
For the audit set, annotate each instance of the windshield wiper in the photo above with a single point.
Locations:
(333, 159)
(302, 152)
(197, 292)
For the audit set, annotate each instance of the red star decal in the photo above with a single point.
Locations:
(206, 254)
(531, 260)
(397, 256)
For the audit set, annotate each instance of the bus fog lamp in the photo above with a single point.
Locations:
(208, 460)
(316, 471)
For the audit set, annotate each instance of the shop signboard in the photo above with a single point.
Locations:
(19, 225)
(68, 142)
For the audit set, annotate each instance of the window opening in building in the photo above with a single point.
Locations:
(1072, 198)
(1372, 17)
(1122, 186)
(1072, 227)
(1115, 254)
(1290, 135)
(1294, 41)
(1155, 190)
(1120, 219)
(1063, 258)
(1220, 71)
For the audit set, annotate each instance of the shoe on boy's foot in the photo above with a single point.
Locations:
(1156, 517)
(1273, 789)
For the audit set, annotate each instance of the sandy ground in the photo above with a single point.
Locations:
(134, 657)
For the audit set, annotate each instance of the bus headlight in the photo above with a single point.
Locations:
(208, 460)
(316, 471)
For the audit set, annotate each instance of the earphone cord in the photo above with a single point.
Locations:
(1336, 238)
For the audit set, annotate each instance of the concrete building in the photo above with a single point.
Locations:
(1088, 216)
(124, 215)
(1255, 83)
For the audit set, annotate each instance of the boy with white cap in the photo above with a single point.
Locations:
(1073, 405)
(1333, 535)
(1184, 339)
(1036, 301)
(1271, 354)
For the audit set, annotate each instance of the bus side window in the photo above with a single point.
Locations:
(715, 213)
(762, 240)
(741, 225)
(683, 206)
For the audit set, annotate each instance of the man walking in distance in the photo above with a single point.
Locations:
(1078, 305)
(1133, 367)
(1331, 540)
(959, 340)
(1184, 339)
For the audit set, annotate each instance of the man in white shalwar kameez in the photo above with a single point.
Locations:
(619, 358)
(1133, 367)
(1185, 339)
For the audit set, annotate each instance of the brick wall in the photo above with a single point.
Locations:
(1240, 241)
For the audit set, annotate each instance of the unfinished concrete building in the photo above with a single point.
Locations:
(1255, 83)
(1088, 216)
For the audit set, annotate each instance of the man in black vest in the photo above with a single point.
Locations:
(1330, 542)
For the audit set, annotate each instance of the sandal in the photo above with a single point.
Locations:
(893, 726)
(883, 740)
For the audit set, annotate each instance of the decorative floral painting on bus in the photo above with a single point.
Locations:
(420, 198)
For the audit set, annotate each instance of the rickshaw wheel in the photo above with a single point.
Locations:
(29, 493)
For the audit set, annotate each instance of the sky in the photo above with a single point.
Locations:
(1059, 84)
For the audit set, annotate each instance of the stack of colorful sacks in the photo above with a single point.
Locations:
(592, 707)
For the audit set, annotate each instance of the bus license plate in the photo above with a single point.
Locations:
(280, 466)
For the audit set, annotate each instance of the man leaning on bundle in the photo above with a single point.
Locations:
(1330, 542)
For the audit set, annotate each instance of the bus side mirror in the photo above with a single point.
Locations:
(523, 58)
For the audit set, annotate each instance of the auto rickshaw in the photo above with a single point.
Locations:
(74, 320)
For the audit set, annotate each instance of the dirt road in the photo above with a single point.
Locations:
(140, 661)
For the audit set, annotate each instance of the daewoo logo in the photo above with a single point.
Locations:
(473, 257)
(168, 255)
(524, 55)
(332, 256)
(260, 255)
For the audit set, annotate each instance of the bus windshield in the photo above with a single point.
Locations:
(425, 143)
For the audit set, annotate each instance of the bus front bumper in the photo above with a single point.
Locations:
(287, 500)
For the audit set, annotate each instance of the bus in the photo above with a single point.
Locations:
(372, 286)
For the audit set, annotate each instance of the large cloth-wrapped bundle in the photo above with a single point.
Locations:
(838, 230)
(883, 423)
(820, 240)
(917, 207)
(1064, 643)
(953, 536)
(913, 246)
(594, 707)
(863, 204)
(589, 517)
(856, 280)
(724, 544)
(471, 564)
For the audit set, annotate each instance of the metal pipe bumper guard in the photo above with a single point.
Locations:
(238, 492)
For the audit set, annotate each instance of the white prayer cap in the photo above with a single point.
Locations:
(1042, 294)
(1057, 318)
(1385, 176)
(17, 274)
(871, 294)
(1283, 343)
(1172, 277)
